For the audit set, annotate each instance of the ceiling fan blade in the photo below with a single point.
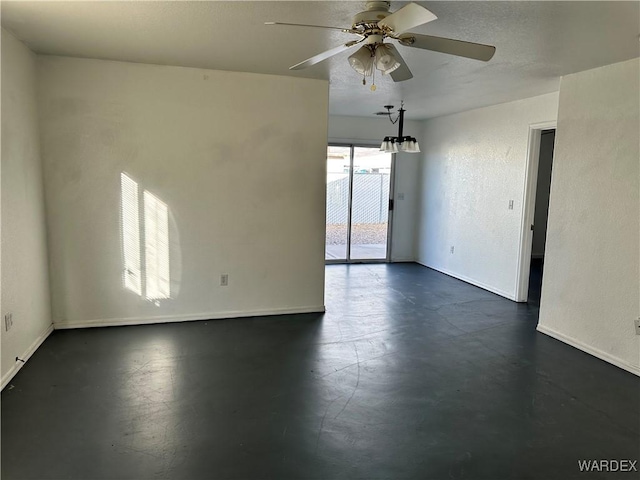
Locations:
(401, 73)
(476, 51)
(407, 17)
(346, 30)
(324, 55)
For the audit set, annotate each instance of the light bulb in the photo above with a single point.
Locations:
(362, 61)
(386, 62)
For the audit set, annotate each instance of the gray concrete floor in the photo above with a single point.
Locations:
(409, 375)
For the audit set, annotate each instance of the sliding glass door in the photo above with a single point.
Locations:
(338, 201)
(358, 208)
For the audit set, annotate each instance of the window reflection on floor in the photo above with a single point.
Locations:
(145, 242)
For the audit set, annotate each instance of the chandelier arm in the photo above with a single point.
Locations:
(389, 107)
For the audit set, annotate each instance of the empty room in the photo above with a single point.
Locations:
(320, 240)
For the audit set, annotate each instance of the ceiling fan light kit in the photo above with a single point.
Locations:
(362, 61)
(371, 57)
(375, 24)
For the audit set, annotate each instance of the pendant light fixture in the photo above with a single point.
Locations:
(400, 143)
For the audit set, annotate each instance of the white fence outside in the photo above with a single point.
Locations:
(370, 199)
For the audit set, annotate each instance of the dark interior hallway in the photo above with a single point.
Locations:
(409, 374)
(535, 281)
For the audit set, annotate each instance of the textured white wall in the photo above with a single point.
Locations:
(371, 131)
(238, 158)
(591, 290)
(25, 282)
(473, 165)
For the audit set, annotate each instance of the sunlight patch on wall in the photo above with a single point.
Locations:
(156, 247)
(132, 273)
(145, 242)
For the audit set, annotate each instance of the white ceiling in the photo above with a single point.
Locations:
(537, 42)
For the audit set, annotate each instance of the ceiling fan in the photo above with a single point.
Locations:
(376, 24)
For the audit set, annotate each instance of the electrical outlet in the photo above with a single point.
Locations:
(510, 204)
(637, 324)
(224, 279)
(8, 321)
(452, 248)
(400, 196)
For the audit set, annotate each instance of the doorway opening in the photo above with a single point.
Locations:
(536, 206)
(358, 208)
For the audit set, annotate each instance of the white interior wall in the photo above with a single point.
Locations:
(473, 165)
(591, 290)
(239, 160)
(371, 131)
(25, 282)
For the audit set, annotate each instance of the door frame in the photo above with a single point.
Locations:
(529, 206)
(352, 146)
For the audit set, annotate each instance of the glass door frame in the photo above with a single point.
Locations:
(352, 146)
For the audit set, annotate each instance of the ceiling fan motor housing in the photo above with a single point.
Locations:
(374, 39)
(375, 12)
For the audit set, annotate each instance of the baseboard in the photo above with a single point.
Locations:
(635, 369)
(403, 260)
(497, 291)
(113, 322)
(6, 378)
